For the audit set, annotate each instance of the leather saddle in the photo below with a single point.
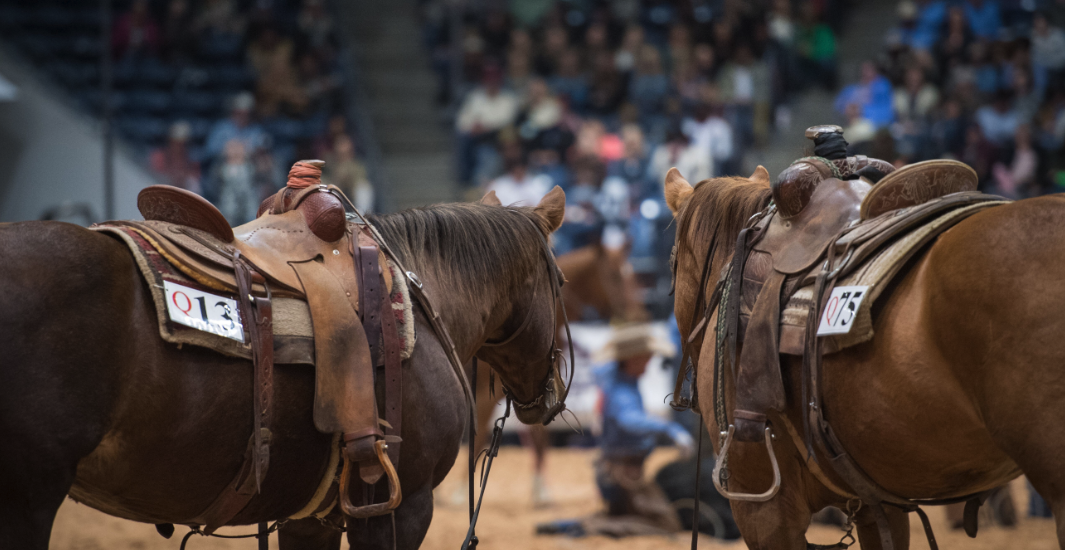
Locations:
(302, 245)
(822, 209)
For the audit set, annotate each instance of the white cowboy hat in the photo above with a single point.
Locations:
(632, 340)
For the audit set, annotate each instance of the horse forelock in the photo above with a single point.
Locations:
(714, 215)
(469, 245)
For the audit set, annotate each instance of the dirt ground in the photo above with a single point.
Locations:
(508, 520)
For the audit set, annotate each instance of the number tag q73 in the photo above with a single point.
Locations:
(203, 311)
(841, 309)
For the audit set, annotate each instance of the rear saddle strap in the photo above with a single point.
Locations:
(257, 314)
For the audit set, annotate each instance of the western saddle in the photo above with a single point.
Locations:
(301, 245)
(829, 213)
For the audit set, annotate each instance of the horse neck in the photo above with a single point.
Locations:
(579, 268)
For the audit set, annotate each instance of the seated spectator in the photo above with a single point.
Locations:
(345, 171)
(999, 121)
(872, 92)
(915, 101)
(816, 45)
(173, 163)
(930, 16)
(948, 129)
(570, 82)
(315, 25)
(519, 187)
(320, 89)
(859, 130)
(1028, 96)
(541, 111)
(219, 17)
(271, 58)
(711, 135)
(984, 18)
(238, 126)
(634, 505)
(1016, 179)
(744, 86)
(267, 177)
(233, 178)
(486, 110)
(649, 85)
(631, 45)
(606, 90)
(954, 47)
(177, 36)
(1048, 50)
(593, 141)
(135, 33)
(633, 166)
(678, 151)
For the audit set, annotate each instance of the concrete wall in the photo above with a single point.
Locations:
(51, 153)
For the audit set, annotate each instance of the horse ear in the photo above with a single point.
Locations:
(677, 190)
(491, 199)
(552, 208)
(760, 174)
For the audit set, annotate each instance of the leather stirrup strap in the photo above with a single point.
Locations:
(759, 385)
(257, 317)
(393, 376)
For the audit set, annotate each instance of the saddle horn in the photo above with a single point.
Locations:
(795, 185)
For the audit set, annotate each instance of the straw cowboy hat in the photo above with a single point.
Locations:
(630, 341)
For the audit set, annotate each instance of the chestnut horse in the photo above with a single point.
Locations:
(599, 281)
(960, 390)
(95, 405)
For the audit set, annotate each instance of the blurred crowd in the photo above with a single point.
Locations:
(981, 81)
(221, 96)
(602, 98)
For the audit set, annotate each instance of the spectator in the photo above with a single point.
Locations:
(233, 177)
(649, 85)
(135, 33)
(519, 187)
(984, 18)
(999, 121)
(486, 110)
(915, 101)
(220, 18)
(632, 167)
(631, 45)
(541, 112)
(679, 152)
(344, 170)
(315, 25)
(744, 85)
(816, 50)
(1048, 50)
(607, 88)
(1014, 179)
(267, 177)
(570, 82)
(930, 16)
(270, 56)
(173, 163)
(872, 92)
(238, 126)
(178, 38)
(711, 135)
(954, 47)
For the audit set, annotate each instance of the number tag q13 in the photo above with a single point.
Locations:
(841, 309)
(203, 311)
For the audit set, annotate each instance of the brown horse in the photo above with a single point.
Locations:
(95, 405)
(599, 281)
(960, 390)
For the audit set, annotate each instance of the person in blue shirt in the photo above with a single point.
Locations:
(634, 504)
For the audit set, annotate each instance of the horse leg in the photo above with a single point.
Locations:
(869, 532)
(29, 503)
(411, 523)
(312, 533)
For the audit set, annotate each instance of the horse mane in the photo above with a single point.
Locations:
(716, 212)
(467, 245)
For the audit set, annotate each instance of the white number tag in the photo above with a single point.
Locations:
(841, 309)
(203, 311)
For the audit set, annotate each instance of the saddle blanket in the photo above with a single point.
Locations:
(876, 273)
(293, 334)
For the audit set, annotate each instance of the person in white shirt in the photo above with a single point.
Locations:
(486, 110)
(518, 187)
(710, 133)
(692, 161)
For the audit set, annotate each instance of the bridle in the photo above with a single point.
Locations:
(554, 355)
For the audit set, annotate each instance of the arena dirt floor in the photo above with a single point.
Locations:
(508, 520)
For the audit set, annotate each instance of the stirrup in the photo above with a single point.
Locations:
(370, 510)
(748, 497)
